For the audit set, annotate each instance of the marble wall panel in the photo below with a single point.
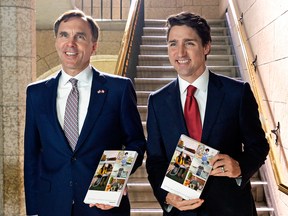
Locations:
(281, 32)
(1, 180)
(24, 65)
(188, 2)
(163, 3)
(12, 184)
(206, 2)
(45, 40)
(8, 31)
(210, 12)
(9, 81)
(280, 76)
(266, 44)
(8, 2)
(106, 36)
(194, 9)
(24, 32)
(10, 130)
(244, 6)
(265, 77)
(108, 48)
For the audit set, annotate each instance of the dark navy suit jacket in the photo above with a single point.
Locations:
(54, 176)
(231, 118)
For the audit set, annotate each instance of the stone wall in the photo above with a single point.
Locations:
(161, 9)
(266, 27)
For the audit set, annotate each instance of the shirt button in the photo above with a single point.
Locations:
(74, 159)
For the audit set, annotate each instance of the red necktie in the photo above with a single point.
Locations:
(192, 115)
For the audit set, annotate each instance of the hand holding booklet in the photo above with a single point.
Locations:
(189, 168)
(110, 178)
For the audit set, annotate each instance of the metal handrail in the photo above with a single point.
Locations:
(128, 35)
(274, 158)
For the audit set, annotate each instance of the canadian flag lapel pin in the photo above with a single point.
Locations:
(100, 91)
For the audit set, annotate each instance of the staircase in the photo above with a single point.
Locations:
(153, 72)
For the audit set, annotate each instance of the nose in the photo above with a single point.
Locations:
(181, 51)
(71, 42)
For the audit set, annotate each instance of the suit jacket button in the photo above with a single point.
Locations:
(74, 159)
(71, 184)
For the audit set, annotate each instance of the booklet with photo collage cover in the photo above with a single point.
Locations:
(189, 168)
(110, 178)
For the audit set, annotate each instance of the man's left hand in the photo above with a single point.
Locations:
(224, 165)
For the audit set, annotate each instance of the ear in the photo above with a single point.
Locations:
(207, 48)
(94, 48)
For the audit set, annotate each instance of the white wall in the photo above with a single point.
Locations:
(266, 25)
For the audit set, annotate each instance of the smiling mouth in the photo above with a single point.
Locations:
(183, 61)
(71, 53)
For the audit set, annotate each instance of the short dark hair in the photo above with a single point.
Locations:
(192, 20)
(78, 13)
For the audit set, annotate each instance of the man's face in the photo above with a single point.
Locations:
(186, 53)
(74, 45)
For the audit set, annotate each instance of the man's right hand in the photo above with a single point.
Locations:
(181, 204)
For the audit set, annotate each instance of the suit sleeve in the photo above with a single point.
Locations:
(32, 157)
(157, 161)
(256, 146)
(132, 129)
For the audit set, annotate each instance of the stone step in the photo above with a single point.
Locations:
(161, 23)
(154, 84)
(150, 209)
(163, 50)
(142, 97)
(163, 60)
(143, 200)
(169, 71)
(143, 112)
(150, 84)
(144, 128)
(161, 31)
(161, 40)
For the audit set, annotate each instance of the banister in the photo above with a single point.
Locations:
(274, 158)
(127, 38)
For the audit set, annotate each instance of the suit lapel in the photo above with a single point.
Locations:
(214, 101)
(174, 103)
(50, 104)
(97, 98)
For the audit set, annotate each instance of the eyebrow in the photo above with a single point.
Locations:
(185, 40)
(77, 33)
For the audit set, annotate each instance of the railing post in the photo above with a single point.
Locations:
(120, 9)
(91, 8)
(111, 8)
(101, 9)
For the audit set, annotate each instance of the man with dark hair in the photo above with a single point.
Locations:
(215, 110)
(70, 120)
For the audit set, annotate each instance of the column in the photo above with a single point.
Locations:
(17, 70)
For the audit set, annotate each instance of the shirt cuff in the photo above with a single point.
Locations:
(239, 180)
(167, 207)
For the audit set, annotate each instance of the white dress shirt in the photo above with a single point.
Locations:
(84, 88)
(201, 83)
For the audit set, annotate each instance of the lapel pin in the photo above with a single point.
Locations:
(100, 91)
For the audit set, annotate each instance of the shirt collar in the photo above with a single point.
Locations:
(200, 83)
(84, 77)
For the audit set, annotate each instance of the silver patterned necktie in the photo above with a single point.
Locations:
(71, 115)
